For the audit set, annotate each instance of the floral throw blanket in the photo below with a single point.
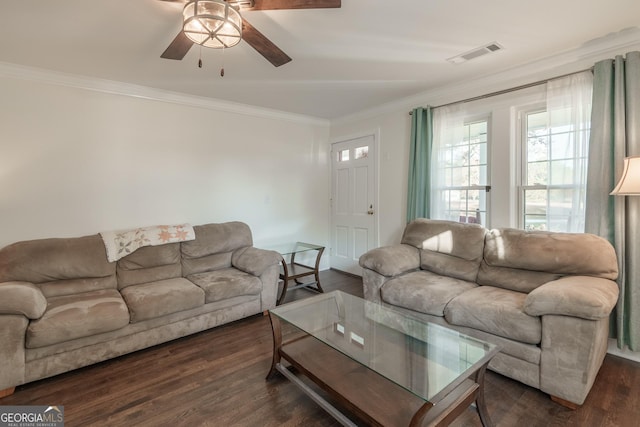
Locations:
(121, 243)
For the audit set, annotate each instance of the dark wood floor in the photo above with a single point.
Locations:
(217, 378)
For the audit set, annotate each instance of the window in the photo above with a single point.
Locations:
(461, 161)
(551, 174)
(529, 147)
(359, 153)
(554, 165)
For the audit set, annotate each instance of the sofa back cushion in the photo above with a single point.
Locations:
(213, 247)
(149, 264)
(60, 266)
(523, 260)
(450, 248)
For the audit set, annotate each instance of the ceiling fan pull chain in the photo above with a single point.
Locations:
(200, 58)
(222, 69)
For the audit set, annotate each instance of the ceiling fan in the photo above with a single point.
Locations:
(265, 47)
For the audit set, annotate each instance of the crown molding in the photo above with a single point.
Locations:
(23, 72)
(573, 60)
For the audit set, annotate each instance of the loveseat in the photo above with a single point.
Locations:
(63, 305)
(544, 298)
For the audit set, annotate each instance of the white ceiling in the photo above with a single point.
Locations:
(367, 53)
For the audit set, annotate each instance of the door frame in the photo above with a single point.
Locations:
(375, 133)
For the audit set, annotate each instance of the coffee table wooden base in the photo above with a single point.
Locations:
(373, 398)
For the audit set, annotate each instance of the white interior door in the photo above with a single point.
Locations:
(353, 207)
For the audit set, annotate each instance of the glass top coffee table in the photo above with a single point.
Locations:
(386, 367)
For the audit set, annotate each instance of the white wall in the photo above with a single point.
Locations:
(76, 161)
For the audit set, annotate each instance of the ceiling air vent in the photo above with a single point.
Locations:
(474, 53)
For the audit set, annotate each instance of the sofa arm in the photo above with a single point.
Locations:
(19, 302)
(572, 352)
(391, 260)
(253, 260)
(586, 297)
(22, 298)
(13, 330)
(269, 278)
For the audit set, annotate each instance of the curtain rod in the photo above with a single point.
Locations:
(513, 89)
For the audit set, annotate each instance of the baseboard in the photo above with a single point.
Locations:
(625, 352)
(346, 272)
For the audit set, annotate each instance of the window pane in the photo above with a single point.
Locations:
(535, 222)
(460, 155)
(562, 172)
(483, 154)
(537, 173)
(468, 206)
(460, 177)
(478, 175)
(343, 156)
(362, 152)
(562, 146)
(537, 124)
(478, 132)
(535, 209)
(537, 148)
(448, 177)
(478, 154)
(475, 157)
(559, 212)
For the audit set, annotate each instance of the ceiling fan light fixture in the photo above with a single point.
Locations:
(212, 23)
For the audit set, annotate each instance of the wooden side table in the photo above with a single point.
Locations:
(295, 270)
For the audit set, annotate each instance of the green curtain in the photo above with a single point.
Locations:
(615, 134)
(418, 195)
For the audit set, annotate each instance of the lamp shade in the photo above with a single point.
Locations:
(629, 184)
(212, 23)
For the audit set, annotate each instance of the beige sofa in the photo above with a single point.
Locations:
(544, 298)
(64, 306)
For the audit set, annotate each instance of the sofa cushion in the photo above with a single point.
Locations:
(61, 266)
(497, 311)
(513, 278)
(155, 299)
(547, 255)
(75, 316)
(423, 291)
(226, 283)
(149, 264)
(214, 246)
(450, 248)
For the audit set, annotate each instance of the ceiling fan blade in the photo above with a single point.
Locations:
(263, 45)
(294, 4)
(178, 47)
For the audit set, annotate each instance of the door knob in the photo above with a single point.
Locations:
(370, 211)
